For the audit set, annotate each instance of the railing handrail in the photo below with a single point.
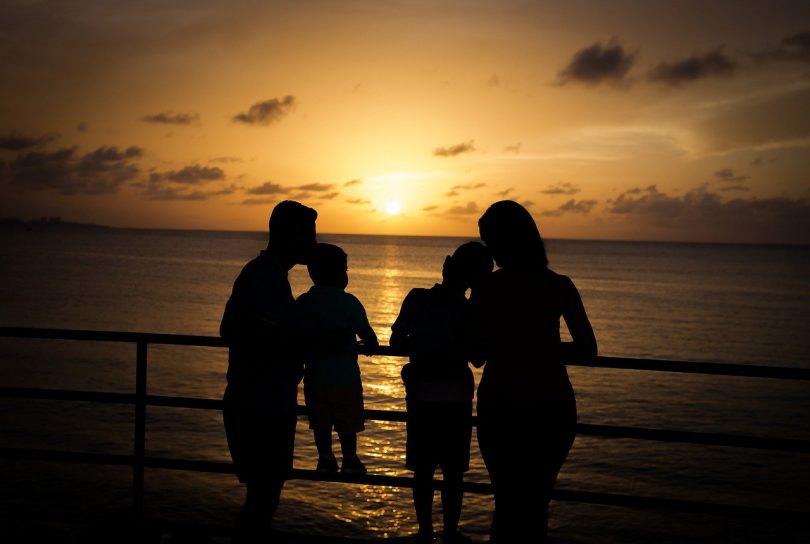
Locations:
(619, 363)
(140, 399)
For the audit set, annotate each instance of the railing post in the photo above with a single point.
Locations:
(139, 440)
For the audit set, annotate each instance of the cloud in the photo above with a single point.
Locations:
(493, 80)
(191, 175)
(181, 193)
(170, 118)
(780, 121)
(329, 196)
(727, 174)
(469, 208)
(362, 201)
(454, 150)
(572, 206)
(734, 188)
(430, 208)
(505, 191)
(82, 126)
(99, 172)
(267, 188)
(759, 161)
(257, 201)
(15, 141)
(598, 64)
(688, 70)
(451, 193)
(225, 160)
(352, 182)
(702, 214)
(316, 187)
(566, 188)
(795, 47)
(512, 149)
(469, 186)
(267, 112)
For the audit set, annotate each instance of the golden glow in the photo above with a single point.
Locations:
(392, 207)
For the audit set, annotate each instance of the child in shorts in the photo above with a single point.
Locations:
(433, 326)
(330, 319)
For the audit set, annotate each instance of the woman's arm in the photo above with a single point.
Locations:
(583, 346)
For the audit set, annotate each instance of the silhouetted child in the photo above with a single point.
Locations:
(330, 320)
(433, 326)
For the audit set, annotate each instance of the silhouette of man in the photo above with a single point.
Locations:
(260, 399)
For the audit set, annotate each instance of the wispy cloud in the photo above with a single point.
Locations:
(267, 188)
(353, 182)
(512, 149)
(361, 201)
(572, 206)
(171, 118)
(315, 187)
(225, 160)
(700, 66)
(727, 174)
(566, 188)
(795, 47)
(190, 175)
(266, 112)
(454, 150)
(430, 208)
(101, 171)
(467, 209)
(598, 63)
(16, 141)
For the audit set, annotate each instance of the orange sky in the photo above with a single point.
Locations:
(621, 120)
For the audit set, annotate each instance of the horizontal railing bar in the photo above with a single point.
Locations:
(623, 363)
(569, 495)
(585, 429)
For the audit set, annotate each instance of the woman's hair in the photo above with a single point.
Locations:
(510, 233)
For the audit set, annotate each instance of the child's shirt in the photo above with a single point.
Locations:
(331, 310)
(434, 322)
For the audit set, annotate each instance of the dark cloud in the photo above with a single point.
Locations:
(493, 80)
(727, 174)
(454, 150)
(329, 196)
(527, 203)
(315, 187)
(430, 208)
(170, 118)
(512, 149)
(505, 191)
(469, 208)
(572, 206)
(469, 186)
(181, 193)
(191, 175)
(353, 182)
(82, 127)
(15, 141)
(598, 64)
(566, 188)
(99, 172)
(267, 188)
(759, 161)
(702, 214)
(267, 112)
(362, 201)
(795, 47)
(734, 188)
(713, 63)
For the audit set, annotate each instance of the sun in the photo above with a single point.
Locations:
(392, 207)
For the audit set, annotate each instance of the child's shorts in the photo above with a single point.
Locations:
(438, 434)
(338, 406)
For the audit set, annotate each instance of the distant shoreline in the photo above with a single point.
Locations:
(56, 223)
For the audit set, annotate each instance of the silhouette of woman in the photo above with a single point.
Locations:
(526, 407)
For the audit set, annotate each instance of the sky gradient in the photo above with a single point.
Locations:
(623, 120)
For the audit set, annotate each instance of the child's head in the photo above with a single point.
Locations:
(328, 266)
(468, 265)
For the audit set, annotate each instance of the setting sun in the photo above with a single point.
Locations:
(392, 207)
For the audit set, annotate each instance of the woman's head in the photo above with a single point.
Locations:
(510, 233)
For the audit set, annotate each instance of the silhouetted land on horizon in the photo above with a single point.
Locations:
(46, 222)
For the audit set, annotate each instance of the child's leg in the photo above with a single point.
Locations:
(423, 499)
(323, 441)
(452, 497)
(348, 443)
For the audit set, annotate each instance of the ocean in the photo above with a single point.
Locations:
(692, 302)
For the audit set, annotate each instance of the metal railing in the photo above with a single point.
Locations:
(139, 461)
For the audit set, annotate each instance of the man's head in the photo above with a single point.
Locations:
(292, 231)
(468, 265)
(328, 266)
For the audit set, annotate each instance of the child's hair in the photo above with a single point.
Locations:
(328, 265)
(470, 263)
